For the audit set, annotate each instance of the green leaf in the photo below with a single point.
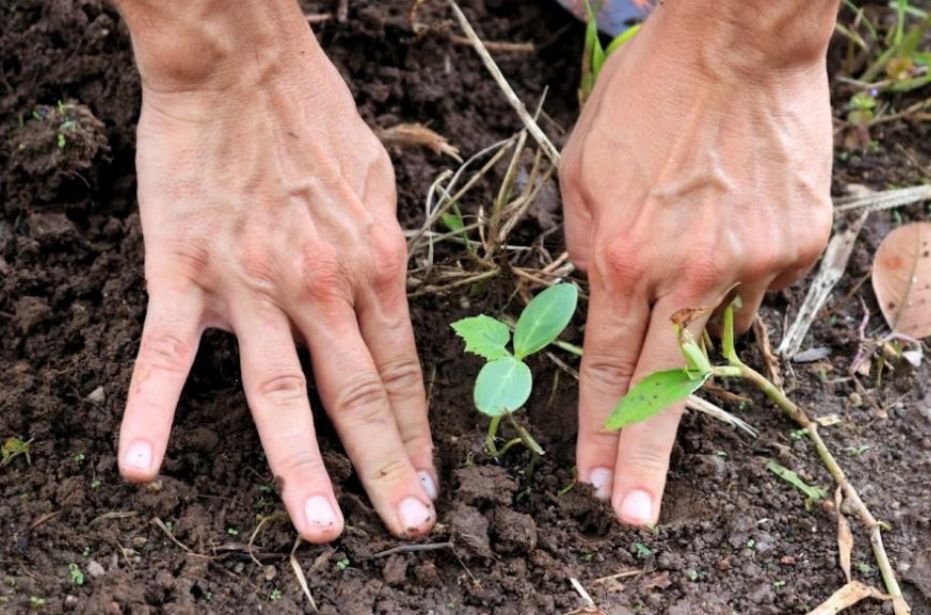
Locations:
(813, 494)
(652, 395)
(452, 222)
(544, 319)
(502, 386)
(622, 38)
(484, 336)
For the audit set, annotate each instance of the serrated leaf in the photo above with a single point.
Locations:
(652, 395)
(502, 386)
(484, 336)
(544, 319)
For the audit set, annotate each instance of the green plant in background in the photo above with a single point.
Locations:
(661, 390)
(595, 55)
(504, 384)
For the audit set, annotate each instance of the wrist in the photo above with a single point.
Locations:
(747, 39)
(185, 45)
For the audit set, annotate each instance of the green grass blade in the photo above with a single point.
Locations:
(654, 394)
(813, 494)
(622, 38)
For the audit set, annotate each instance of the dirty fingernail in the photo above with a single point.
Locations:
(602, 479)
(319, 512)
(428, 484)
(414, 514)
(637, 507)
(138, 456)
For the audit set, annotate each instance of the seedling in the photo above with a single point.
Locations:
(661, 390)
(595, 55)
(77, 577)
(813, 495)
(13, 448)
(505, 382)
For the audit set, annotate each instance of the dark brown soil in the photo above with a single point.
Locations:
(733, 539)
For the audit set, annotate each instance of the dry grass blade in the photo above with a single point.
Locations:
(299, 573)
(844, 535)
(847, 596)
(885, 200)
(706, 407)
(532, 127)
(832, 268)
(500, 46)
(161, 525)
(418, 135)
(902, 279)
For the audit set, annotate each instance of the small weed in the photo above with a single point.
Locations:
(95, 483)
(692, 575)
(275, 596)
(751, 544)
(798, 434)
(642, 551)
(343, 564)
(77, 577)
(856, 451)
(13, 448)
(778, 584)
(864, 568)
(36, 602)
(78, 457)
(505, 382)
(813, 495)
(232, 531)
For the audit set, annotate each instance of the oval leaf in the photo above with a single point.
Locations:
(502, 386)
(902, 279)
(652, 395)
(484, 336)
(544, 319)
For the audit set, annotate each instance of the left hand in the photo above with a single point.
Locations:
(684, 176)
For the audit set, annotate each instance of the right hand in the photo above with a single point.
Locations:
(268, 209)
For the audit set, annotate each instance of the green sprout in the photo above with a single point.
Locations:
(13, 448)
(77, 577)
(813, 495)
(504, 384)
(275, 596)
(642, 550)
(343, 564)
(595, 55)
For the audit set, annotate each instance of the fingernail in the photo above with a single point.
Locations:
(429, 486)
(637, 507)
(414, 514)
(319, 512)
(138, 456)
(602, 479)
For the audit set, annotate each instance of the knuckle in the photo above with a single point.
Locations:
(323, 276)
(646, 460)
(365, 400)
(191, 258)
(282, 390)
(705, 273)
(164, 351)
(621, 263)
(609, 374)
(389, 257)
(390, 470)
(301, 463)
(402, 375)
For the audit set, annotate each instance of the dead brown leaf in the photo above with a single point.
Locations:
(844, 535)
(418, 135)
(846, 597)
(902, 279)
